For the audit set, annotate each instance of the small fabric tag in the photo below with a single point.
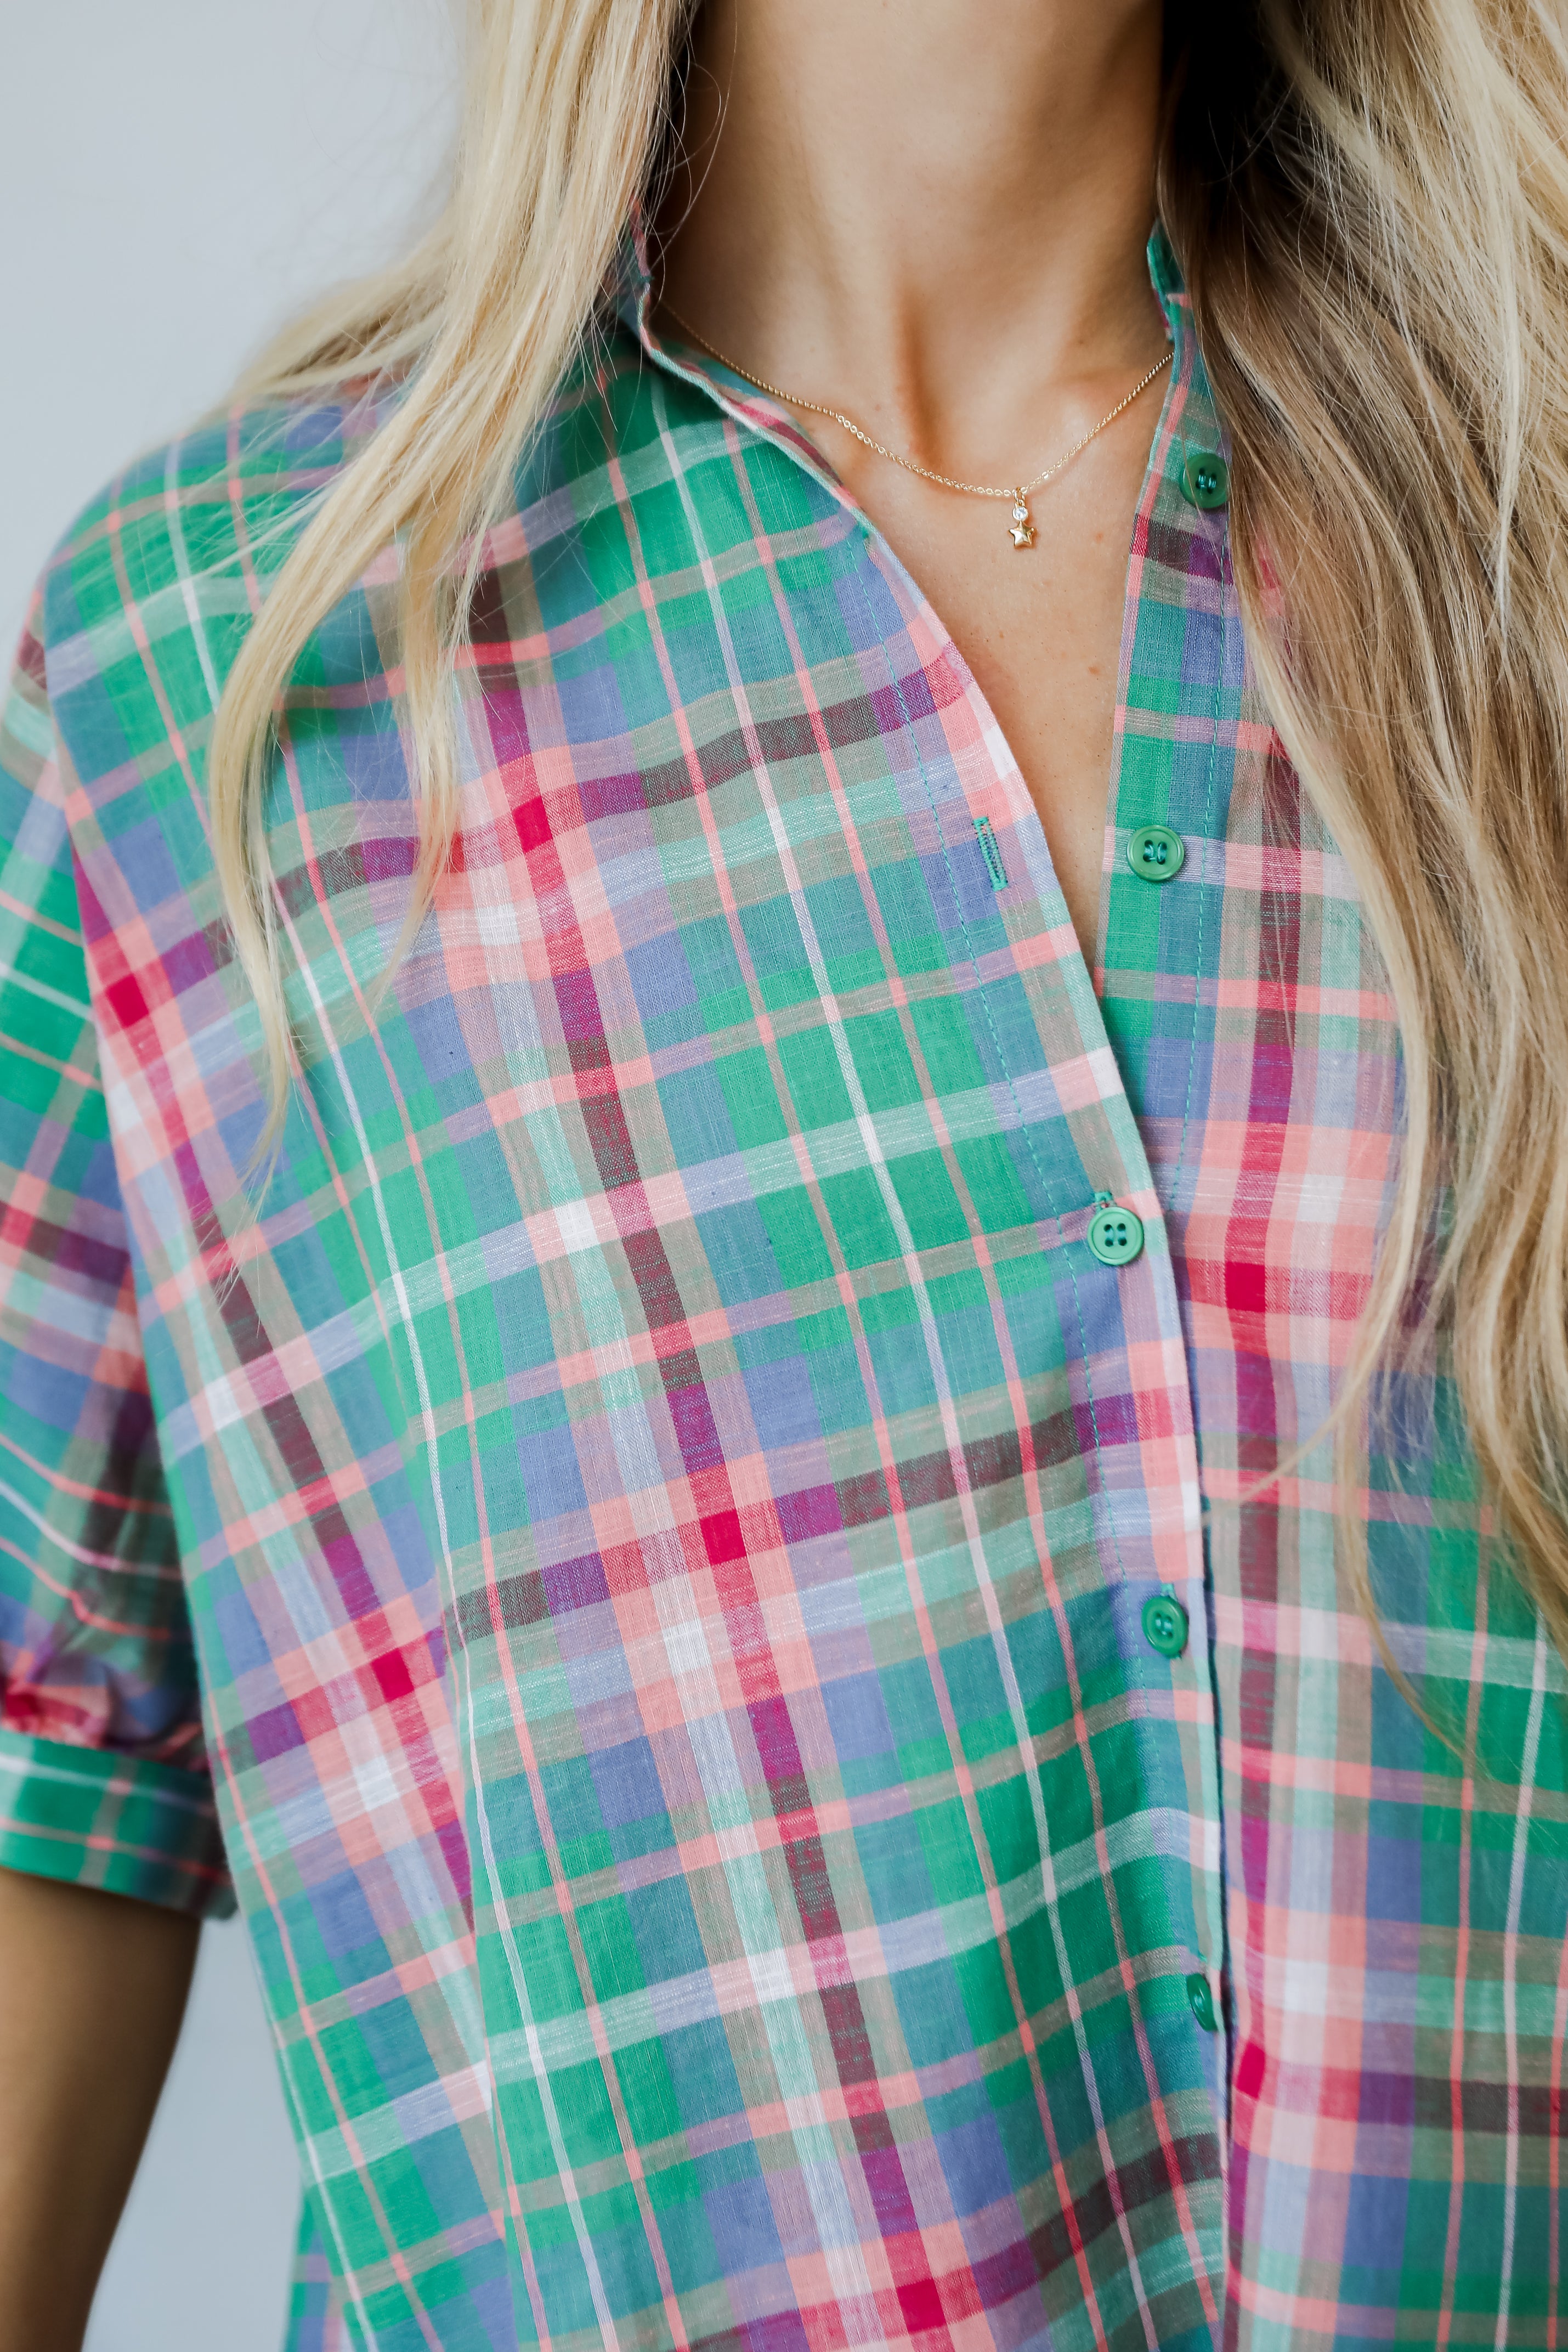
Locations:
(991, 851)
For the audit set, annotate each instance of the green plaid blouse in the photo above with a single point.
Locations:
(698, 1574)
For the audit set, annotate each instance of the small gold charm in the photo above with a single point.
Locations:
(1022, 529)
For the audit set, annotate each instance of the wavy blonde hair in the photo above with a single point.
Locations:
(1369, 200)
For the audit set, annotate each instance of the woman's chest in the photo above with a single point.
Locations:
(689, 1289)
(743, 1116)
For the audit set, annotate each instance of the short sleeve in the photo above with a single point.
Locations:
(103, 1777)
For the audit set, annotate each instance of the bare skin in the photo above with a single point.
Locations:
(936, 219)
(92, 1990)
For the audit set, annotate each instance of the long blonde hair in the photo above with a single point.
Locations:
(1369, 200)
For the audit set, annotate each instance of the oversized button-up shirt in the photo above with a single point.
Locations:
(630, 1565)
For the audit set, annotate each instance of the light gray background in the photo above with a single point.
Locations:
(174, 176)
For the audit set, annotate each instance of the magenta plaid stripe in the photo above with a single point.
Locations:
(651, 1571)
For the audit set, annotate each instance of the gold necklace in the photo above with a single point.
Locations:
(1023, 527)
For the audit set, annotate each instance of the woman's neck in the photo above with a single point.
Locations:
(932, 216)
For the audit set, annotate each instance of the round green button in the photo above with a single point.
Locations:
(1115, 1235)
(1200, 2000)
(1206, 479)
(1165, 1625)
(1156, 854)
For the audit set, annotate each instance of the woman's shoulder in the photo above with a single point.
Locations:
(148, 596)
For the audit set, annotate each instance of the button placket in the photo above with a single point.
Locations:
(1149, 939)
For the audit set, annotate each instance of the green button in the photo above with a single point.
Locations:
(1206, 479)
(1165, 1625)
(1156, 854)
(1115, 1235)
(1200, 2000)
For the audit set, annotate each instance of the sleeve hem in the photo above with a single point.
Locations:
(120, 1824)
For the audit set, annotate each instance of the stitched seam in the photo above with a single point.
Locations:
(1203, 878)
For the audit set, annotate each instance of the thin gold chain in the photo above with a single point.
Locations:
(927, 473)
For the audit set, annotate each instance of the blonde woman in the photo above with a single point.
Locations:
(783, 1317)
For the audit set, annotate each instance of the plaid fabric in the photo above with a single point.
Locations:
(637, 1556)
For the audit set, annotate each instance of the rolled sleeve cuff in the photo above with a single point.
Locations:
(116, 1822)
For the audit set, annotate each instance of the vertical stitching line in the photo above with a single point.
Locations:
(1203, 879)
(1225, 583)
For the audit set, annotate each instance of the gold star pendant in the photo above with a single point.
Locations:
(1022, 529)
